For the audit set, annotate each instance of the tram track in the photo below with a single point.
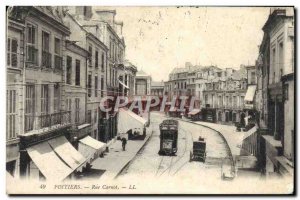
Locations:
(179, 158)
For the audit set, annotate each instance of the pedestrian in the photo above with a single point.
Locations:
(124, 141)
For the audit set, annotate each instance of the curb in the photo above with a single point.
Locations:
(222, 136)
(122, 169)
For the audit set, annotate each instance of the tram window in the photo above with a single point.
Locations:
(167, 136)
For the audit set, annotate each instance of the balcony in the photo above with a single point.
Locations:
(249, 106)
(57, 62)
(80, 131)
(47, 122)
(32, 55)
(46, 59)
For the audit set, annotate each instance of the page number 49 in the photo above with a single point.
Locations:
(42, 186)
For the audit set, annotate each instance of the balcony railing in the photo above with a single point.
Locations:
(46, 59)
(57, 62)
(32, 55)
(61, 118)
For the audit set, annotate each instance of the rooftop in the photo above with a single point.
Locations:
(157, 84)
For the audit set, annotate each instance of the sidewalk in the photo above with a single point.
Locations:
(234, 139)
(116, 159)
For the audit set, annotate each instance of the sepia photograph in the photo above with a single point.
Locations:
(150, 100)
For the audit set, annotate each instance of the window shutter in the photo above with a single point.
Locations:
(14, 52)
(8, 51)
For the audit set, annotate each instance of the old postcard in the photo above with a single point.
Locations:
(150, 100)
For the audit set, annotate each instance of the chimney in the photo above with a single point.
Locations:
(106, 16)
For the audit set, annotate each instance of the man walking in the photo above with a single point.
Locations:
(124, 141)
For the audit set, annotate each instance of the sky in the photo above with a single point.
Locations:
(159, 39)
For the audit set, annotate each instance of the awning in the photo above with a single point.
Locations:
(95, 144)
(129, 120)
(50, 165)
(67, 152)
(90, 148)
(250, 93)
(194, 112)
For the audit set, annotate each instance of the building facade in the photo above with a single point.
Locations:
(157, 88)
(224, 95)
(277, 67)
(142, 84)
(57, 74)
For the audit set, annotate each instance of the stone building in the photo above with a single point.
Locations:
(85, 36)
(129, 78)
(142, 84)
(107, 49)
(277, 67)
(157, 88)
(224, 96)
(42, 113)
(15, 61)
(56, 76)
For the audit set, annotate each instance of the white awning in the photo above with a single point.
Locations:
(250, 93)
(90, 148)
(129, 120)
(67, 152)
(95, 144)
(50, 165)
(194, 112)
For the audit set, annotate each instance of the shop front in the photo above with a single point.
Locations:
(49, 156)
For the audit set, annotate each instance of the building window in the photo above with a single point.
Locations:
(77, 110)
(77, 73)
(90, 51)
(234, 101)
(220, 101)
(253, 77)
(96, 86)
(56, 98)
(69, 107)
(57, 46)
(11, 114)
(69, 70)
(95, 116)
(89, 85)
(84, 11)
(45, 41)
(46, 56)
(102, 61)
(32, 52)
(89, 116)
(274, 64)
(31, 34)
(44, 99)
(280, 59)
(102, 86)
(29, 107)
(116, 77)
(96, 59)
(234, 117)
(242, 100)
(12, 52)
(57, 57)
(90, 55)
(286, 92)
(227, 101)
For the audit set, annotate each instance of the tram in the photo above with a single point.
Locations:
(168, 137)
